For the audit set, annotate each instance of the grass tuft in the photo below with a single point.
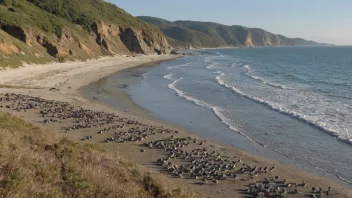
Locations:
(38, 163)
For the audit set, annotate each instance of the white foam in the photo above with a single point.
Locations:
(247, 67)
(235, 64)
(210, 66)
(215, 109)
(145, 75)
(169, 76)
(262, 80)
(189, 98)
(319, 123)
(179, 66)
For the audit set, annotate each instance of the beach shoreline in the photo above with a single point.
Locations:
(64, 82)
(135, 109)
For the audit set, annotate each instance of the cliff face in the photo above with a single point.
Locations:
(38, 31)
(182, 34)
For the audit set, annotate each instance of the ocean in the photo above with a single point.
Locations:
(292, 104)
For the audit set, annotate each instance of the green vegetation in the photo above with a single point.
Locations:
(183, 34)
(52, 16)
(86, 12)
(26, 53)
(44, 30)
(39, 163)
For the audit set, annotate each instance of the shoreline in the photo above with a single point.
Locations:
(68, 83)
(135, 109)
(94, 91)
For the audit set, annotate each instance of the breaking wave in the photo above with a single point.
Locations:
(262, 80)
(280, 109)
(216, 110)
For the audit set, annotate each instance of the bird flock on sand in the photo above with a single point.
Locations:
(185, 157)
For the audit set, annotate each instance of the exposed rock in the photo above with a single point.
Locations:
(188, 35)
(17, 32)
(72, 38)
(8, 48)
(50, 48)
(105, 44)
(53, 49)
(135, 41)
(84, 48)
(174, 52)
(248, 42)
(40, 39)
(130, 40)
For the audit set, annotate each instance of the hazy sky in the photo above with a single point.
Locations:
(327, 21)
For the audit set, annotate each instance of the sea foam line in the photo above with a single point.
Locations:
(281, 110)
(179, 66)
(210, 66)
(168, 76)
(216, 110)
(145, 75)
(262, 80)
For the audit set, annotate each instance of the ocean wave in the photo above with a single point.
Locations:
(235, 64)
(248, 68)
(276, 107)
(210, 58)
(169, 76)
(210, 66)
(179, 66)
(343, 179)
(189, 98)
(216, 110)
(145, 75)
(262, 80)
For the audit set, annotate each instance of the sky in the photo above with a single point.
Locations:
(327, 21)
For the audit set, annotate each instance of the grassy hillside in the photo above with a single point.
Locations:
(38, 163)
(183, 34)
(179, 35)
(60, 30)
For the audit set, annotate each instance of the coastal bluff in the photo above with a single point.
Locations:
(198, 34)
(41, 31)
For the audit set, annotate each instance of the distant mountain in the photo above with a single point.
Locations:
(196, 34)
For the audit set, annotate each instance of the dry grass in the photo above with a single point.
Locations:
(38, 163)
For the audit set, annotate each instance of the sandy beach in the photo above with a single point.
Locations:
(63, 82)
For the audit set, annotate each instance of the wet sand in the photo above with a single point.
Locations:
(148, 142)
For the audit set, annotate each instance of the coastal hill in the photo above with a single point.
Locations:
(196, 34)
(39, 31)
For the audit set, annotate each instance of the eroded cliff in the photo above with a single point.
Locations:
(182, 34)
(37, 31)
